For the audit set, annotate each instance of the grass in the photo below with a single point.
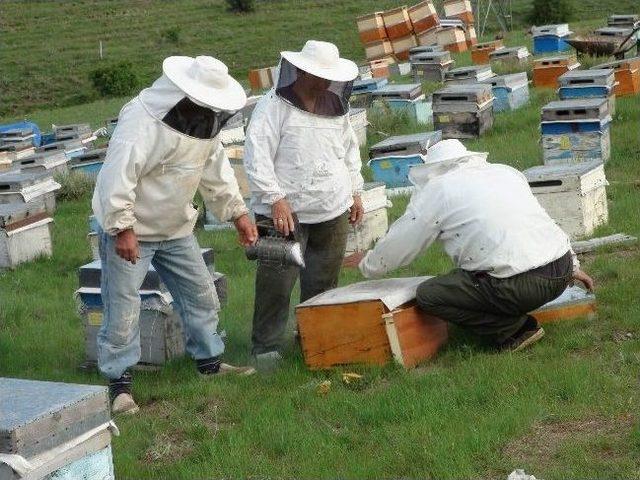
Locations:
(567, 408)
(48, 48)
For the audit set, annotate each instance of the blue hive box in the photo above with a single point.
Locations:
(393, 171)
(369, 85)
(89, 162)
(550, 44)
(594, 83)
(418, 110)
(510, 91)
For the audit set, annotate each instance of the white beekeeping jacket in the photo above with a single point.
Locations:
(312, 160)
(484, 214)
(152, 172)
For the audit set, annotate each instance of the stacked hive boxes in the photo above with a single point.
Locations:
(573, 195)
(471, 74)
(627, 74)
(54, 431)
(21, 188)
(405, 98)
(510, 56)
(550, 38)
(400, 31)
(510, 91)
(480, 51)
(576, 131)
(392, 158)
(262, 78)
(461, 9)
(463, 110)
(18, 141)
(623, 21)
(546, 71)
(89, 163)
(597, 83)
(374, 223)
(51, 163)
(373, 36)
(430, 66)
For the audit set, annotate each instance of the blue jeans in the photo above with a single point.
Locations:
(181, 267)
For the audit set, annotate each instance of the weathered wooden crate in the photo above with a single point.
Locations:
(402, 45)
(623, 21)
(375, 221)
(510, 56)
(399, 145)
(36, 416)
(510, 91)
(439, 57)
(480, 51)
(71, 148)
(574, 302)
(397, 23)
(452, 39)
(89, 162)
(369, 85)
(573, 195)
(18, 150)
(546, 71)
(370, 323)
(359, 122)
(463, 110)
(614, 32)
(429, 38)
(380, 67)
(51, 163)
(161, 333)
(425, 49)
(463, 125)
(371, 28)
(432, 72)
(460, 9)
(27, 188)
(469, 74)
(77, 130)
(589, 109)
(379, 49)
(408, 91)
(423, 16)
(598, 83)
(25, 233)
(627, 73)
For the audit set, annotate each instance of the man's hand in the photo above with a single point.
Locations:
(356, 211)
(282, 217)
(247, 231)
(585, 279)
(353, 260)
(127, 245)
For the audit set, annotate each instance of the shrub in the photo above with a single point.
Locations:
(119, 79)
(241, 6)
(552, 11)
(74, 185)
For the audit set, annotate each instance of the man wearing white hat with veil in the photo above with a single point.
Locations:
(303, 163)
(164, 149)
(511, 257)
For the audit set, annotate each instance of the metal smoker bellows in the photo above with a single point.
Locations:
(274, 249)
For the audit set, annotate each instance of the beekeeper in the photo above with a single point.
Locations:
(511, 257)
(165, 148)
(303, 160)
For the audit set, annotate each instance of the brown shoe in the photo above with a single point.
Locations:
(529, 334)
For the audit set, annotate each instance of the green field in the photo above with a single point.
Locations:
(565, 409)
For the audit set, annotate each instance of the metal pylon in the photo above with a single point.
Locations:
(502, 12)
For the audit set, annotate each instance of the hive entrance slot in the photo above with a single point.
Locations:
(545, 183)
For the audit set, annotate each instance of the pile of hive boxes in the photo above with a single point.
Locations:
(161, 334)
(430, 63)
(463, 110)
(407, 99)
(51, 430)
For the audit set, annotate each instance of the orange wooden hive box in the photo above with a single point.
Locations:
(423, 16)
(375, 50)
(546, 71)
(380, 67)
(397, 22)
(401, 46)
(573, 303)
(452, 39)
(371, 28)
(627, 72)
(261, 78)
(470, 35)
(371, 323)
(480, 51)
(460, 9)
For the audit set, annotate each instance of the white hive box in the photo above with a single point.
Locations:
(27, 188)
(50, 163)
(375, 222)
(574, 196)
(52, 430)
(25, 233)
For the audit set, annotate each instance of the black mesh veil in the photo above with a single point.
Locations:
(200, 122)
(311, 93)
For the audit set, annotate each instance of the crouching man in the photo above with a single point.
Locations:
(511, 257)
(163, 150)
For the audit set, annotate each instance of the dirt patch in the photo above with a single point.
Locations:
(160, 408)
(545, 439)
(168, 447)
(211, 414)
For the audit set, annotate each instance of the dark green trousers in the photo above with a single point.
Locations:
(494, 308)
(323, 245)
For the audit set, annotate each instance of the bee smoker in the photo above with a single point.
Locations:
(274, 248)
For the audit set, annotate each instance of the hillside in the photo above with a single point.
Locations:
(48, 48)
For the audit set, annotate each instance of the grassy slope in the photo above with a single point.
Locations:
(570, 403)
(47, 49)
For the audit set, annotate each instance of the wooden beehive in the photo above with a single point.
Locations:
(89, 162)
(371, 28)
(480, 51)
(624, 21)
(402, 145)
(261, 78)
(377, 50)
(25, 233)
(402, 46)
(405, 91)
(421, 49)
(369, 322)
(574, 302)
(470, 74)
(380, 67)
(460, 9)
(452, 39)
(463, 110)
(471, 37)
(428, 37)
(546, 71)
(595, 83)
(423, 16)
(510, 56)
(26, 188)
(574, 196)
(397, 23)
(627, 73)
(51, 163)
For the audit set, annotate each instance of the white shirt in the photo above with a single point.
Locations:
(152, 172)
(311, 160)
(484, 214)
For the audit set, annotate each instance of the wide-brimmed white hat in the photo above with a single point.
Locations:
(448, 151)
(322, 59)
(206, 80)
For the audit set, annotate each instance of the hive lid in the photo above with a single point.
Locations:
(12, 213)
(589, 109)
(406, 91)
(592, 77)
(511, 80)
(559, 30)
(393, 292)
(632, 63)
(618, 32)
(508, 52)
(421, 141)
(549, 172)
(425, 49)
